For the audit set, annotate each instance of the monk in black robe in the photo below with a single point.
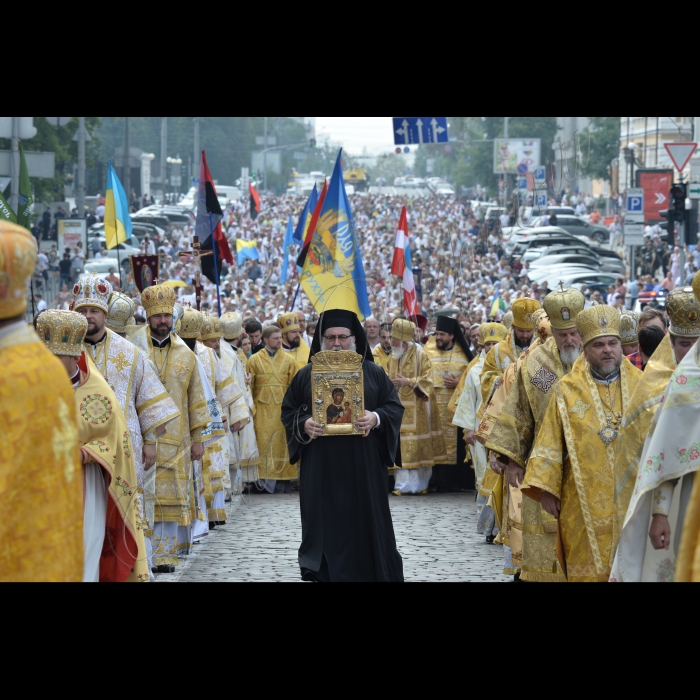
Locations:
(347, 530)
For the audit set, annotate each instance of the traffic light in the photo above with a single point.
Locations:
(679, 193)
(669, 226)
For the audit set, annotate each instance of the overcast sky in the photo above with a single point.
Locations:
(356, 133)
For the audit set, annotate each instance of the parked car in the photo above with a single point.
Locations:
(609, 261)
(552, 261)
(650, 300)
(576, 226)
(539, 238)
(101, 266)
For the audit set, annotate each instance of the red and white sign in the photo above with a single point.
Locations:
(656, 185)
(401, 266)
(681, 153)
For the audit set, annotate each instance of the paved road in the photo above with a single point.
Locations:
(435, 534)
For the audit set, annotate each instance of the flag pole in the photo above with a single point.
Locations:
(214, 246)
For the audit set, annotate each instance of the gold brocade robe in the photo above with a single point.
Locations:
(497, 362)
(571, 461)
(454, 401)
(271, 377)
(300, 354)
(381, 358)
(41, 531)
(105, 441)
(177, 368)
(446, 364)
(422, 443)
(513, 436)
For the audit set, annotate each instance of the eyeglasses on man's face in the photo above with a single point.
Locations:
(333, 338)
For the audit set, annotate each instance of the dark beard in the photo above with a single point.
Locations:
(191, 343)
(157, 333)
(294, 344)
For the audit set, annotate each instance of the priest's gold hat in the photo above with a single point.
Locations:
(508, 320)
(288, 323)
(63, 332)
(696, 285)
(628, 328)
(92, 292)
(231, 325)
(403, 330)
(210, 328)
(18, 256)
(158, 300)
(598, 321)
(543, 326)
(563, 306)
(522, 313)
(683, 309)
(492, 333)
(121, 310)
(192, 323)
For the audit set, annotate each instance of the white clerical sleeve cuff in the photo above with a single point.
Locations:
(663, 497)
(379, 421)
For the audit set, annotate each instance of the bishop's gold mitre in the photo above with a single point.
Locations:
(231, 325)
(522, 313)
(192, 323)
(211, 330)
(628, 327)
(403, 330)
(18, 256)
(63, 332)
(492, 333)
(563, 306)
(683, 309)
(288, 323)
(598, 321)
(121, 310)
(158, 300)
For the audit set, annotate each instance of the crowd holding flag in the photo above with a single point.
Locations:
(333, 274)
(247, 250)
(117, 220)
(287, 246)
(306, 216)
(312, 227)
(403, 267)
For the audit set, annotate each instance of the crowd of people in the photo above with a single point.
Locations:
(553, 404)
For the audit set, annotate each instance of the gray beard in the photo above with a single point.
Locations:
(568, 357)
(398, 353)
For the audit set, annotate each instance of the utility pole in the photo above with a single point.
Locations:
(506, 135)
(197, 149)
(127, 161)
(82, 138)
(164, 155)
(14, 171)
(265, 159)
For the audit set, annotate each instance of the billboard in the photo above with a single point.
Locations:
(516, 156)
(657, 186)
(70, 233)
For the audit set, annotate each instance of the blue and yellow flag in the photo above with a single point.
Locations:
(247, 250)
(118, 226)
(287, 247)
(334, 276)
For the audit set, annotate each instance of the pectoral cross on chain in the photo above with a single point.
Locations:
(195, 256)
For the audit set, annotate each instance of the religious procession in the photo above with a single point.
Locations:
(562, 431)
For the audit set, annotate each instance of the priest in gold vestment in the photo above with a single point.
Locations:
(574, 464)
(490, 334)
(176, 365)
(292, 341)
(422, 444)
(655, 469)
(449, 355)
(272, 371)
(41, 530)
(382, 353)
(520, 421)
(115, 547)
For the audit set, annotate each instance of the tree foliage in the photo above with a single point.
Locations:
(604, 147)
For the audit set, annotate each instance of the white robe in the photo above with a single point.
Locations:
(95, 520)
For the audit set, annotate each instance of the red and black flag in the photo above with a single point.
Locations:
(208, 227)
(312, 227)
(255, 207)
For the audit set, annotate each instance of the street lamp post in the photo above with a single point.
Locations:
(197, 149)
(82, 138)
(265, 159)
(127, 160)
(164, 156)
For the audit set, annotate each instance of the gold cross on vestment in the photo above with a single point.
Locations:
(580, 409)
(120, 361)
(195, 257)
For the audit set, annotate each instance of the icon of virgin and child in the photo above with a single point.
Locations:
(339, 413)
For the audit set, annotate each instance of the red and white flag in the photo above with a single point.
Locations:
(403, 267)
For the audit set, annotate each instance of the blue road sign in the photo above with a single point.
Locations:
(540, 174)
(541, 200)
(522, 169)
(522, 183)
(419, 130)
(635, 202)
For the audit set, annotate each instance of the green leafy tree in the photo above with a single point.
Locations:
(604, 147)
(389, 166)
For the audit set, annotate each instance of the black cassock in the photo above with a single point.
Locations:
(347, 531)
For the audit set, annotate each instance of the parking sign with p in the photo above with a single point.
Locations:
(635, 202)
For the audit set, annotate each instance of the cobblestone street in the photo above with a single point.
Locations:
(435, 534)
